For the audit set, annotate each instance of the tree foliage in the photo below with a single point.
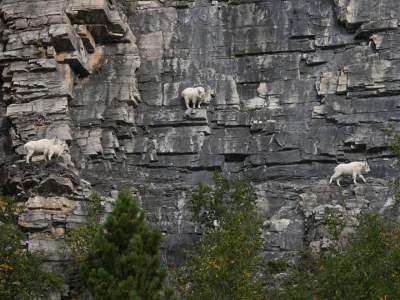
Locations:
(22, 275)
(79, 240)
(368, 268)
(224, 264)
(393, 137)
(123, 259)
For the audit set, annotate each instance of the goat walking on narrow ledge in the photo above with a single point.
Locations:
(355, 168)
(46, 147)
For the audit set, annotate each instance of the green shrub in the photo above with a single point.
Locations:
(80, 238)
(22, 275)
(368, 268)
(393, 138)
(224, 264)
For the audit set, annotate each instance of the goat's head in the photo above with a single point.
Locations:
(201, 92)
(366, 167)
(63, 145)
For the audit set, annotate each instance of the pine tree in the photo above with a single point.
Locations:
(123, 260)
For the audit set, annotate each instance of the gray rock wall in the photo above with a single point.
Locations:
(298, 87)
(293, 88)
(68, 71)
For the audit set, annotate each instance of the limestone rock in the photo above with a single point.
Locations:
(50, 203)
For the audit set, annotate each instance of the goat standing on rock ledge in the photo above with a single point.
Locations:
(355, 168)
(46, 147)
(194, 95)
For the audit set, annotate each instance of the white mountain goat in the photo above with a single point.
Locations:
(194, 95)
(355, 168)
(46, 147)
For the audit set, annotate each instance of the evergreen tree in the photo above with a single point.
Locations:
(123, 261)
(225, 263)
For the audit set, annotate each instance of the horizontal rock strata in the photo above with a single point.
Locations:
(292, 88)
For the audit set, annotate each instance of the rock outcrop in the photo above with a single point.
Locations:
(68, 71)
(294, 87)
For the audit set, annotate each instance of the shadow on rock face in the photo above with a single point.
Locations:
(56, 185)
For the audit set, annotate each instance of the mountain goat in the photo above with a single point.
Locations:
(355, 168)
(46, 147)
(196, 95)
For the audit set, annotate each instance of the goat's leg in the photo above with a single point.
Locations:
(28, 156)
(362, 177)
(334, 176)
(187, 101)
(45, 153)
(50, 154)
(338, 181)
(355, 178)
(60, 154)
(194, 102)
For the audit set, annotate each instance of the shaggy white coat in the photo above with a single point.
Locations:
(355, 168)
(194, 95)
(47, 147)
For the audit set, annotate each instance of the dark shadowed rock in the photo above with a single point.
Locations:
(55, 185)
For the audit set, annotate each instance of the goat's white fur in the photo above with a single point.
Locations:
(47, 147)
(195, 95)
(355, 168)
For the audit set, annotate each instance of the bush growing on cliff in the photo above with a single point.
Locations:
(368, 268)
(224, 264)
(79, 240)
(393, 137)
(123, 260)
(22, 275)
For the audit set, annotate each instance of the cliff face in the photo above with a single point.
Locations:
(298, 86)
(293, 87)
(68, 71)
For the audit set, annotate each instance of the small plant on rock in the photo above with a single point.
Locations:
(22, 274)
(225, 263)
(367, 268)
